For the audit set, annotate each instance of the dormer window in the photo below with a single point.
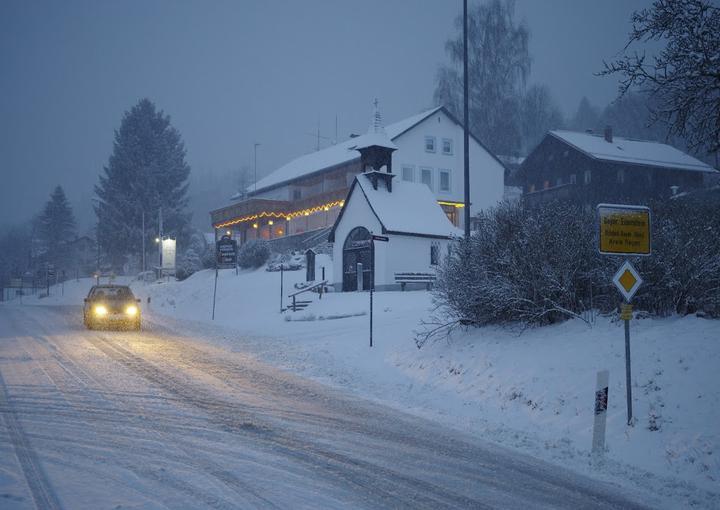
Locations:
(429, 144)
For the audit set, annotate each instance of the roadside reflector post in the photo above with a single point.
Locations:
(214, 293)
(359, 269)
(282, 276)
(601, 404)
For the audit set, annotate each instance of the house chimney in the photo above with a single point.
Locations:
(608, 134)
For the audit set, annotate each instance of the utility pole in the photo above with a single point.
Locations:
(255, 151)
(143, 242)
(160, 238)
(466, 132)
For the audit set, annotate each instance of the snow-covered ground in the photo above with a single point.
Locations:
(532, 390)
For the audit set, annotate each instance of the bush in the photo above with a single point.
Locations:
(253, 254)
(541, 265)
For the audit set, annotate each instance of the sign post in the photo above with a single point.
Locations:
(373, 238)
(628, 281)
(226, 252)
(625, 230)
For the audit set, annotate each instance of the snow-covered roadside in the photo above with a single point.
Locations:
(532, 391)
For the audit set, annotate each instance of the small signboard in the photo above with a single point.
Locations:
(380, 238)
(624, 229)
(226, 251)
(168, 256)
(627, 280)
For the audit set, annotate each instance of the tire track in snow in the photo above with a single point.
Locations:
(372, 480)
(40, 488)
(191, 459)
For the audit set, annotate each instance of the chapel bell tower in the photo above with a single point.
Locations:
(376, 150)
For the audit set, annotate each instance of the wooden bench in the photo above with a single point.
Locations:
(405, 278)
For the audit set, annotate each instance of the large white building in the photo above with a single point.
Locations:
(308, 193)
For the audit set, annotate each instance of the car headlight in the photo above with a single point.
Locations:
(131, 310)
(100, 310)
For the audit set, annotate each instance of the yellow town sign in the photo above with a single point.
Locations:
(624, 229)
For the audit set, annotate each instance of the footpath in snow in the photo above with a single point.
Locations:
(532, 390)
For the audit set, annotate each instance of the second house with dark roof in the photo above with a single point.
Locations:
(594, 168)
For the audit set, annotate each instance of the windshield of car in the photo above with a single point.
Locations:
(112, 293)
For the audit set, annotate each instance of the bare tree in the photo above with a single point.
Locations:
(684, 77)
(499, 64)
(539, 114)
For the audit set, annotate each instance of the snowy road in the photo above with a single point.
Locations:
(158, 420)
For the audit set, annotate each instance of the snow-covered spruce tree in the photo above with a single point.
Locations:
(191, 259)
(253, 254)
(684, 77)
(499, 63)
(15, 246)
(146, 172)
(56, 228)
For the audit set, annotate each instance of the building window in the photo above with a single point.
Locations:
(297, 195)
(588, 176)
(573, 179)
(434, 254)
(621, 176)
(558, 182)
(444, 184)
(447, 146)
(452, 213)
(408, 173)
(429, 144)
(426, 177)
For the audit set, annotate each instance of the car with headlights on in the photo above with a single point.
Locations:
(111, 305)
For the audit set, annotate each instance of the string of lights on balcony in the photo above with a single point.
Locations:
(286, 216)
(302, 212)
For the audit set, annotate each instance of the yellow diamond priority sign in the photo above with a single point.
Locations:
(627, 280)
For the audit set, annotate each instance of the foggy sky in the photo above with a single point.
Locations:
(234, 73)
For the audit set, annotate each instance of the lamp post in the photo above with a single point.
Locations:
(466, 115)
(255, 164)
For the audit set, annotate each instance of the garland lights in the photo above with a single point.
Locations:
(304, 212)
(286, 216)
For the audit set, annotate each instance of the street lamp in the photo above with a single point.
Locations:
(255, 151)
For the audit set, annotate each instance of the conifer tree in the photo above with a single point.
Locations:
(146, 172)
(56, 227)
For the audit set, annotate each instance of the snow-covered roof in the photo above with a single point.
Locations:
(335, 154)
(411, 208)
(626, 150)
